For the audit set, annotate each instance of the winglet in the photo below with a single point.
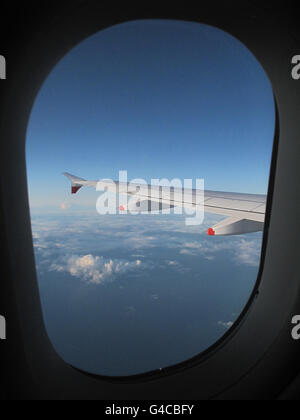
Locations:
(76, 182)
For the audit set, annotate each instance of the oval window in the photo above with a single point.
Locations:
(126, 294)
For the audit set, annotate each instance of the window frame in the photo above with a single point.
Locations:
(232, 365)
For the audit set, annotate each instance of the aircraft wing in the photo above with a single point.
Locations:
(245, 212)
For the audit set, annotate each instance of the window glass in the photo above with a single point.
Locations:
(127, 294)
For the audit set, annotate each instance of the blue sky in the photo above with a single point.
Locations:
(160, 99)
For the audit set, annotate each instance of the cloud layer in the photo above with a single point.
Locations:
(243, 251)
(86, 246)
(95, 269)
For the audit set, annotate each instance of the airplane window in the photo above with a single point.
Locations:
(123, 293)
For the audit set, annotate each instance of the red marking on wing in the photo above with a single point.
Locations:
(211, 232)
(122, 208)
(75, 189)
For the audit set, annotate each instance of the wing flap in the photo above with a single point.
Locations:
(235, 226)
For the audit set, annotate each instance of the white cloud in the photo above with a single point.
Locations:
(226, 325)
(172, 263)
(130, 309)
(193, 245)
(95, 269)
(56, 267)
(187, 252)
(244, 251)
(39, 246)
(137, 234)
(248, 252)
(60, 245)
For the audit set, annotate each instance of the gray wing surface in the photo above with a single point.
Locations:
(245, 212)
